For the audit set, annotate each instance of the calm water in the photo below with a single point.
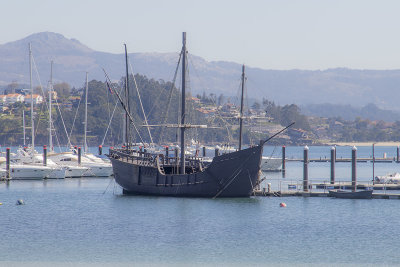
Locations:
(73, 222)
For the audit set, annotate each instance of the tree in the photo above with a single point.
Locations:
(10, 89)
(256, 106)
(63, 91)
(220, 100)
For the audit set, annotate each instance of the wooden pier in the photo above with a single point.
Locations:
(305, 188)
(333, 155)
(348, 185)
(377, 160)
(318, 194)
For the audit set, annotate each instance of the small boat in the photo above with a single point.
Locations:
(365, 194)
(271, 164)
(3, 173)
(87, 167)
(225, 148)
(391, 178)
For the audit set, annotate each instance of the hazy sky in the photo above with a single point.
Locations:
(280, 34)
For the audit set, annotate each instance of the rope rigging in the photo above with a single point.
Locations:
(46, 104)
(125, 108)
(112, 115)
(141, 105)
(164, 119)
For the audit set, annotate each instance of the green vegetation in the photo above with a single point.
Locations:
(286, 114)
(161, 103)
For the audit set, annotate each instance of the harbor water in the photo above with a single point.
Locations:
(87, 221)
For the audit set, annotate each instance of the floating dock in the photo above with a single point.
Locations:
(377, 160)
(318, 194)
(347, 185)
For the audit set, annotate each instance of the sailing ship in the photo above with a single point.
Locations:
(234, 174)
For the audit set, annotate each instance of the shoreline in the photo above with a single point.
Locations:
(391, 143)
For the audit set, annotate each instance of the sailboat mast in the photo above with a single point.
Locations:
(50, 100)
(23, 126)
(30, 84)
(85, 147)
(183, 103)
(127, 126)
(241, 112)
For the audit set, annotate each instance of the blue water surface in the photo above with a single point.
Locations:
(88, 221)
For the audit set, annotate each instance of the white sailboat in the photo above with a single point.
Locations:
(30, 170)
(69, 170)
(96, 165)
(90, 165)
(25, 156)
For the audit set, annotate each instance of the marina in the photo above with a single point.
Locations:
(318, 194)
(78, 222)
(92, 215)
(199, 134)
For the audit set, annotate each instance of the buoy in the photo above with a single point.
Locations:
(282, 204)
(20, 202)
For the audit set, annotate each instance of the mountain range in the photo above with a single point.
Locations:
(72, 59)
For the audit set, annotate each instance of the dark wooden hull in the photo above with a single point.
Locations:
(229, 175)
(366, 194)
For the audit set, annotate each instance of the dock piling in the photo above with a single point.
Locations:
(283, 158)
(354, 169)
(79, 156)
(305, 169)
(333, 152)
(204, 151)
(44, 155)
(8, 163)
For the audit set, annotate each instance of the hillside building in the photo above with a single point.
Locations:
(3, 99)
(37, 99)
(13, 98)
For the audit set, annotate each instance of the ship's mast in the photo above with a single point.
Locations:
(241, 111)
(50, 100)
(85, 147)
(30, 84)
(183, 103)
(127, 126)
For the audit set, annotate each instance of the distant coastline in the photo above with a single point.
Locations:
(392, 143)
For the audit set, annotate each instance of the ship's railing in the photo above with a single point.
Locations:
(155, 160)
(133, 156)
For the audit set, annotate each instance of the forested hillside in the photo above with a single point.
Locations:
(160, 100)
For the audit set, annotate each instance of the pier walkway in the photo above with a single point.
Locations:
(318, 194)
(324, 159)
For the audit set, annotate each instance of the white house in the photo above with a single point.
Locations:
(3, 99)
(13, 98)
(37, 99)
